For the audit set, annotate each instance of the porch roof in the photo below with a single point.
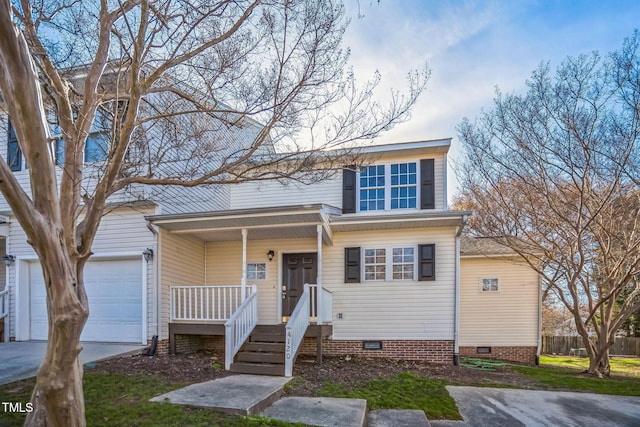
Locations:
(386, 221)
(284, 222)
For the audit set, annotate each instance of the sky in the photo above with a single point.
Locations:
(472, 48)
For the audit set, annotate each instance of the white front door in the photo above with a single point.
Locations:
(114, 289)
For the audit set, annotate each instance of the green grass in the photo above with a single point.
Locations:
(629, 367)
(119, 400)
(567, 373)
(402, 391)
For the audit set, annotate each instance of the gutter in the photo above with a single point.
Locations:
(456, 322)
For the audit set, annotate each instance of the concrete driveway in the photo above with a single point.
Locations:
(20, 360)
(512, 408)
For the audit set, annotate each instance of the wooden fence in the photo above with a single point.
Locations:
(563, 345)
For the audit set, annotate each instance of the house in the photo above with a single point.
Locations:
(368, 262)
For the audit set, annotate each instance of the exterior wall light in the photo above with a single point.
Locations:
(270, 255)
(7, 260)
(148, 254)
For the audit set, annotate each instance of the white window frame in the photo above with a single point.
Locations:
(403, 263)
(257, 264)
(375, 264)
(387, 187)
(388, 276)
(489, 290)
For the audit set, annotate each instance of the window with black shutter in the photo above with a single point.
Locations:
(349, 191)
(427, 184)
(14, 154)
(352, 265)
(426, 262)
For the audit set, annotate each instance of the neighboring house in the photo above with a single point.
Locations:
(378, 247)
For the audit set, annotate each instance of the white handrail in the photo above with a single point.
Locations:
(4, 303)
(295, 329)
(239, 326)
(204, 303)
(326, 307)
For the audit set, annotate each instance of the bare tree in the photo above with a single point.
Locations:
(553, 175)
(181, 85)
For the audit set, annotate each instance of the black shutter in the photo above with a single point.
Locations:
(351, 265)
(427, 262)
(348, 191)
(14, 154)
(427, 185)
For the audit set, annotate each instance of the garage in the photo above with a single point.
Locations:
(114, 289)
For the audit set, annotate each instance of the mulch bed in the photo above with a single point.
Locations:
(349, 372)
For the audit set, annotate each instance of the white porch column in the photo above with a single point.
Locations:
(319, 295)
(243, 280)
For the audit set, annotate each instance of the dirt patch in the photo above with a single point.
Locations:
(181, 368)
(349, 372)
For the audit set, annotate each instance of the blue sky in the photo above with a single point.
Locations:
(472, 47)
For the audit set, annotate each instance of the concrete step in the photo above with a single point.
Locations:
(235, 394)
(258, 368)
(397, 418)
(319, 411)
(260, 357)
(266, 347)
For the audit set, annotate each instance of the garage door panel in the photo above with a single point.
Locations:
(114, 290)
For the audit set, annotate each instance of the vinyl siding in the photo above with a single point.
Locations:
(329, 192)
(394, 310)
(182, 264)
(224, 267)
(508, 317)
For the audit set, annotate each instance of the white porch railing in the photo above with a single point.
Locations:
(296, 328)
(4, 303)
(205, 303)
(239, 326)
(326, 307)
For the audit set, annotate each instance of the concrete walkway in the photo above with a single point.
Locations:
(259, 394)
(493, 407)
(20, 360)
(236, 394)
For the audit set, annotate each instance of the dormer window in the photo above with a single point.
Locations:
(391, 186)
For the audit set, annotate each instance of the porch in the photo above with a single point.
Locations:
(278, 250)
(232, 312)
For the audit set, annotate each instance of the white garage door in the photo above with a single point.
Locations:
(114, 289)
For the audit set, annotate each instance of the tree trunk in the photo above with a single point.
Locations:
(58, 398)
(599, 358)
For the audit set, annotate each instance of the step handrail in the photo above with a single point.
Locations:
(239, 326)
(4, 303)
(295, 330)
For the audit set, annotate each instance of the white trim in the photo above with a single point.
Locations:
(145, 297)
(388, 263)
(489, 291)
(387, 187)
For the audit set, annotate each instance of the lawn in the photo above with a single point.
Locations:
(123, 400)
(402, 391)
(567, 373)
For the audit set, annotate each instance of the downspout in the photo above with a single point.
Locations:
(155, 281)
(456, 324)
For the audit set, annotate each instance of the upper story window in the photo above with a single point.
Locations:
(372, 188)
(389, 186)
(14, 153)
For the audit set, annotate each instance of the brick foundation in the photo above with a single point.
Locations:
(193, 343)
(521, 354)
(428, 351)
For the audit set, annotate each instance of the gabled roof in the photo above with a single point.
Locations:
(483, 246)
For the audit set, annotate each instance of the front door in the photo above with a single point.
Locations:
(298, 269)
